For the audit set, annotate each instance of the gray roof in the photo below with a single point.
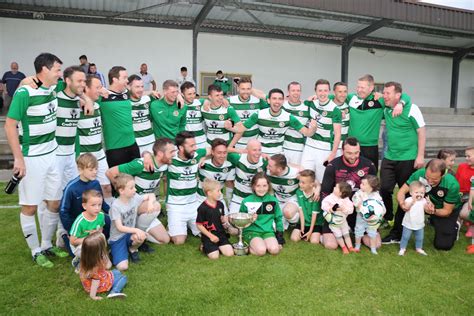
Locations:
(407, 25)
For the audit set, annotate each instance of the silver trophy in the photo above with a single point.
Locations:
(240, 221)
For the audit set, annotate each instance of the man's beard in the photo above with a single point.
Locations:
(188, 155)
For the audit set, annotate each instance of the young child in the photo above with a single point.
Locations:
(467, 214)
(210, 221)
(124, 236)
(266, 211)
(71, 202)
(368, 222)
(337, 206)
(414, 219)
(90, 221)
(449, 157)
(464, 175)
(94, 272)
(309, 227)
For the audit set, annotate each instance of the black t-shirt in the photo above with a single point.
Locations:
(210, 218)
(339, 170)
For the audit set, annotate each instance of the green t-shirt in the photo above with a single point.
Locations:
(82, 226)
(446, 191)
(402, 133)
(224, 84)
(168, 120)
(117, 124)
(145, 181)
(309, 207)
(268, 213)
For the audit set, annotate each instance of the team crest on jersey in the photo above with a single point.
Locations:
(225, 170)
(361, 173)
(440, 193)
(221, 117)
(146, 106)
(300, 113)
(175, 113)
(281, 124)
(291, 182)
(325, 113)
(74, 113)
(370, 104)
(194, 161)
(269, 207)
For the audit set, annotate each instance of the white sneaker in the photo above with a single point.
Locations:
(117, 295)
(401, 252)
(421, 252)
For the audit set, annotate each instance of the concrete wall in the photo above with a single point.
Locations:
(273, 63)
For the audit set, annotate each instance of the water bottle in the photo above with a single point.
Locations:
(11, 185)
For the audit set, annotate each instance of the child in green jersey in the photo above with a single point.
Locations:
(265, 208)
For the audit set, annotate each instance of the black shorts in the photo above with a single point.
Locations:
(123, 155)
(208, 246)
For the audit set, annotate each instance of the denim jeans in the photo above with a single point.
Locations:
(406, 234)
(120, 281)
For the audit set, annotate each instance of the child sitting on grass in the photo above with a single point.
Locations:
(367, 222)
(311, 220)
(90, 221)
(414, 219)
(94, 272)
(261, 235)
(337, 206)
(211, 221)
(124, 236)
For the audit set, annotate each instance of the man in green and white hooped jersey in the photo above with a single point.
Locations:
(218, 168)
(284, 181)
(246, 166)
(273, 124)
(146, 182)
(67, 117)
(217, 115)
(294, 140)
(340, 96)
(194, 121)
(142, 128)
(322, 146)
(89, 131)
(406, 149)
(366, 117)
(182, 176)
(34, 150)
(245, 105)
(116, 115)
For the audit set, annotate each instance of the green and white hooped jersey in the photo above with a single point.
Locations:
(141, 121)
(89, 131)
(325, 115)
(294, 140)
(35, 109)
(244, 110)
(182, 179)
(345, 121)
(272, 129)
(194, 122)
(214, 120)
(145, 181)
(67, 117)
(285, 186)
(224, 173)
(244, 172)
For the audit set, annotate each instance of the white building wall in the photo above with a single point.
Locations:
(273, 63)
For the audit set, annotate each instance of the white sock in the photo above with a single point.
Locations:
(40, 212)
(50, 224)
(28, 226)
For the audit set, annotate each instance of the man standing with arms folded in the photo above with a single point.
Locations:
(11, 79)
(406, 150)
(34, 152)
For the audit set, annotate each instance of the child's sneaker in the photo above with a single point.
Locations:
(55, 251)
(146, 248)
(75, 264)
(117, 295)
(401, 252)
(345, 251)
(42, 260)
(421, 252)
(134, 257)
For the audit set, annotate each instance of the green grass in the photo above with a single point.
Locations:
(303, 279)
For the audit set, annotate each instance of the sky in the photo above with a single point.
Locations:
(462, 4)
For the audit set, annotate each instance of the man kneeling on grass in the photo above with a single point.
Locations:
(212, 223)
(124, 237)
